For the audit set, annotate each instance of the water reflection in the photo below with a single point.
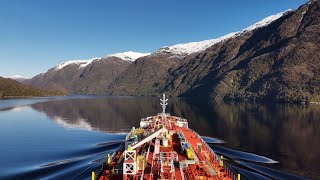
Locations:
(289, 134)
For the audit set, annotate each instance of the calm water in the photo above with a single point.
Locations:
(68, 137)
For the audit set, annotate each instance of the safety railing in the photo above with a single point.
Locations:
(146, 161)
(182, 166)
(229, 171)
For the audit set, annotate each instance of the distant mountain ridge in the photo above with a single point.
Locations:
(12, 88)
(19, 78)
(275, 59)
(81, 77)
(127, 56)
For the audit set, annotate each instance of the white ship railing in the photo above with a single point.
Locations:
(146, 161)
(181, 169)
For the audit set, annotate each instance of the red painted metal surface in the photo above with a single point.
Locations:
(182, 154)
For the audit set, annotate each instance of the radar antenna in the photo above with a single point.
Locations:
(164, 103)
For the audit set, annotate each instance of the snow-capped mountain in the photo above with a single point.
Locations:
(88, 76)
(268, 59)
(127, 56)
(81, 76)
(178, 49)
(193, 47)
(19, 78)
(80, 63)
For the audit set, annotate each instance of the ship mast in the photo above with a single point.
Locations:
(164, 103)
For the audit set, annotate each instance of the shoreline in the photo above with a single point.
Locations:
(197, 99)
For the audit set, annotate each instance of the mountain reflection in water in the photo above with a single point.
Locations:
(289, 134)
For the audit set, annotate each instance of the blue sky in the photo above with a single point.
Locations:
(38, 34)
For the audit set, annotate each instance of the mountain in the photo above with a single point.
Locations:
(19, 78)
(279, 62)
(85, 76)
(276, 59)
(11, 88)
(145, 76)
(129, 56)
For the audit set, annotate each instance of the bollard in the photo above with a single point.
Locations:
(92, 175)
(221, 161)
(109, 160)
(238, 177)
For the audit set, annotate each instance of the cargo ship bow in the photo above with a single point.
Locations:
(164, 147)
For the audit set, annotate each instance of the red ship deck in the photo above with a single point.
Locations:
(164, 148)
